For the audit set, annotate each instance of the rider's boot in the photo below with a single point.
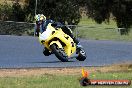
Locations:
(46, 52)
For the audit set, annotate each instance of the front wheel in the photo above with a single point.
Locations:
(59, 53)
(46, 52)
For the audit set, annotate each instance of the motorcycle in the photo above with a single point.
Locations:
(60, 44)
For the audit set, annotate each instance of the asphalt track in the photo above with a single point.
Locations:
(26, 52)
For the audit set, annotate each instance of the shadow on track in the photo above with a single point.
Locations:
(53, 62)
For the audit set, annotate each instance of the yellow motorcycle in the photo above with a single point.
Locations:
(60, 44)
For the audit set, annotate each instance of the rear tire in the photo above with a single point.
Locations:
(81, 55)
(59, 53)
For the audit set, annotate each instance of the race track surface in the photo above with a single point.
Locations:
(26, 52)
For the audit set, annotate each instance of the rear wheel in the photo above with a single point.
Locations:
(81, 55)
(59, 53)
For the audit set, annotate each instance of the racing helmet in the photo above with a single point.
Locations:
(40, 17)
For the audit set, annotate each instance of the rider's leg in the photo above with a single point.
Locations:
(69, 32)
(46, 52)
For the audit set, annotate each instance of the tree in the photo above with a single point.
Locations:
(100, 11)
(5, 11)
(123, 12)
(18, 12)
(66, 11)
(13, 12)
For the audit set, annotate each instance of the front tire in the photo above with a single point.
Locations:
(59, 53)
(46, 52)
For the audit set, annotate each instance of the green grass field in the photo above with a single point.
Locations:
(89, 29)
(60, 81)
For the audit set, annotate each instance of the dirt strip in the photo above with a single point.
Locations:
(63, 71)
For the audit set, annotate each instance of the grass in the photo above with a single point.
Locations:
(60, 81)
(89, 29)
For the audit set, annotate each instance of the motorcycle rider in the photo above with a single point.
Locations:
(42, 23)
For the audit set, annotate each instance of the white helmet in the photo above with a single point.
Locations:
(40, 17)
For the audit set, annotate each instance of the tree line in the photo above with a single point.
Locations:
(67, 11)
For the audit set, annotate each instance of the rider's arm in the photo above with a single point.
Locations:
(37, 30)
(57, 24)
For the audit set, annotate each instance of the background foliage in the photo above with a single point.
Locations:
(101, 10)
(5, 11)
(67, 11)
